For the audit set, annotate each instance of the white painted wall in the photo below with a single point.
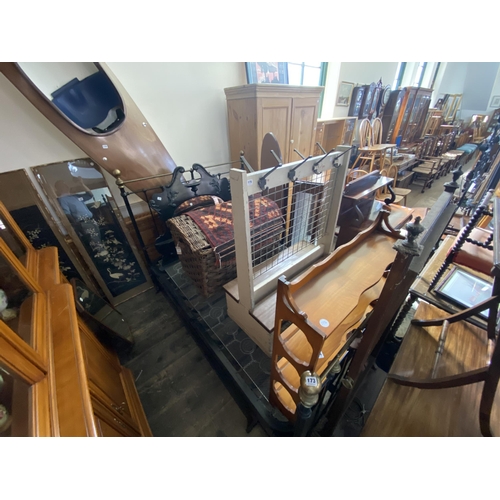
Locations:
(185, 104)
(49, 76)
(450, 81)
(478, 85)
(27, 138)
(495, 91)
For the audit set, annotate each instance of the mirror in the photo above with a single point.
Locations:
(80, 196)
(81, 91)
(102, 317)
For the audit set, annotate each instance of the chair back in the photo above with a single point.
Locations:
(355, 174)
(377, 131)
(365, 134)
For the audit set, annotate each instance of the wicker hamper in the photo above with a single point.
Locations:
(198, 257)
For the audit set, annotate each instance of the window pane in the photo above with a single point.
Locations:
(311, 76)
(315, 64)
(14, 406)
(13, 242)
(294, 74)
(16, 301)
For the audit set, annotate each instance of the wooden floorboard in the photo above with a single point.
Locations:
(180, 392)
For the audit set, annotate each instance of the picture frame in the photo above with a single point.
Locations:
(267, 72)
(465, 289)
(495, 101)
(344, 94)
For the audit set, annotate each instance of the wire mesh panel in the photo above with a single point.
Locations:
(303, 211)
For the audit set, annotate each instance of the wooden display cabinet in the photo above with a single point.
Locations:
(56, 378)
(493, 121)
(356, 101)
(289, 112)
(405, 114)
(335, 131)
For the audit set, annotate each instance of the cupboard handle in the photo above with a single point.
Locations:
(119, 422)
(291, 141)
(119, 409)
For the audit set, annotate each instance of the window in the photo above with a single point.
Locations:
(306, 73)
(399, 76)
(419, 75)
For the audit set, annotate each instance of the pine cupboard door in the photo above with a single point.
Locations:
(275, 117)
(303, 128)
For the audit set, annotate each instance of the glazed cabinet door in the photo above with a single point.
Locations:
(25, 402)
(303, 128)
(348, 132)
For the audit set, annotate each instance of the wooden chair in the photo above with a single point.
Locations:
(365, 134)
(441, 381)
(472, 246)
(355, 174)
(383, 193)
(377, 131)
(436, 385)
(401, 193)
(428, 171)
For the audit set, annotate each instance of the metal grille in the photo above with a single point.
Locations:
(303, 208)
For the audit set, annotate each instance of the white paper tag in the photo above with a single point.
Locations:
(321, 355)
(178, 250)
(311, 381)
(249, 182)
(324, 323)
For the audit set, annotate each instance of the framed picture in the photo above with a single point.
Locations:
(465, 289)
(495, 101)
(267, 72)
(344, 93)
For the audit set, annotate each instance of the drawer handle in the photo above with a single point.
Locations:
(119, 422)
(119, 409)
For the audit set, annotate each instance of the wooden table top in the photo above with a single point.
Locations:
(341, 285)
(407, 411)
(377, 147)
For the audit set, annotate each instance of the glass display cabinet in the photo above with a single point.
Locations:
(405, 113)
(80, 196)
(56, 378)
(26, 408)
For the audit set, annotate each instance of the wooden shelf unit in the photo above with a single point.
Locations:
(324, 305)
(334, 131)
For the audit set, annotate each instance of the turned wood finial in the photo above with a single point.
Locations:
(409, 245)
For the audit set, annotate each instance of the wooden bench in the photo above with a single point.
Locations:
(324, 305)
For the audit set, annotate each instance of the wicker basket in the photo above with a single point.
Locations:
(198, 257)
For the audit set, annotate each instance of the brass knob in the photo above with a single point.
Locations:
(310, 387)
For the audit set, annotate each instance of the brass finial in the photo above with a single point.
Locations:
(310, 387)
(117, 173)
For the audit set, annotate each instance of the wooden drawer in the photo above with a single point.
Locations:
(104, 370)
(109, 424)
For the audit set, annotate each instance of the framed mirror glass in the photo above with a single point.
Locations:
(81, 91)
(79, 194)
(25, 207)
